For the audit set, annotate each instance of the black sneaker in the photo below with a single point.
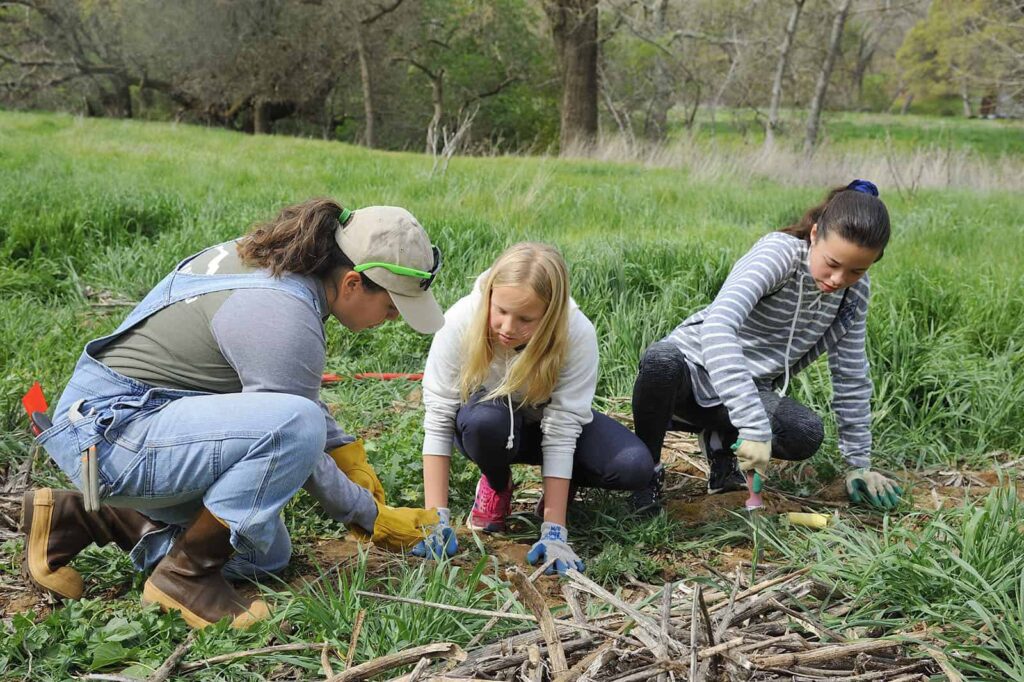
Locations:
(724, 475)
(647, 501)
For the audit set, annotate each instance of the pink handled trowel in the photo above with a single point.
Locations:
(754, 484)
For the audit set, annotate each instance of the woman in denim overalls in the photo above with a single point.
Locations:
(191, 426)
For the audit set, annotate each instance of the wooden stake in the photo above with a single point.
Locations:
(535, 602)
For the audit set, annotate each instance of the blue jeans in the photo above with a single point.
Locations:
(241, 455)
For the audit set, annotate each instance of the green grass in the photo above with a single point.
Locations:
(857, 132)
(113, 205)
(960, 571)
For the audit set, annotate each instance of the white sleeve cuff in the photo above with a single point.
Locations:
(435, 444)
(557, 464)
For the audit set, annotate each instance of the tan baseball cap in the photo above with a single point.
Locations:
(376, 237)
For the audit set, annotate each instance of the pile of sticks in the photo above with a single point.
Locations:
(769, 630)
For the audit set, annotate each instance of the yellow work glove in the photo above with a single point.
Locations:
(351, 459)
(398, 528)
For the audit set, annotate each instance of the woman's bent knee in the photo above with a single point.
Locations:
(302, 428)
(662, 357)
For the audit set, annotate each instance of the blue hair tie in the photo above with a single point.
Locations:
(864, 186)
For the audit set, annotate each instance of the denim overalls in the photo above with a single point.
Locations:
(168, 453)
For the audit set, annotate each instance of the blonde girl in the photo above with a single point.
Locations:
(510, 379)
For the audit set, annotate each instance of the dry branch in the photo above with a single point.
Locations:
(535, 602)
(829, 653)
(671, 634)
(408, 656)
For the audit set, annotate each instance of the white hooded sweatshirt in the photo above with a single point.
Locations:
(562, 418)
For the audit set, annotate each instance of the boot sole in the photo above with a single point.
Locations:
(151, 594)
(65, 582)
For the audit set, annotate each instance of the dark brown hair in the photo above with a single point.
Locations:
(300, 240)
(854, 215)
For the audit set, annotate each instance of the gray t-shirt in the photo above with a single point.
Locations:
(233, 341)
(239, 341)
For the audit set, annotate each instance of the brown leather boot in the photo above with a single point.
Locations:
(189, 578)
(57, 528)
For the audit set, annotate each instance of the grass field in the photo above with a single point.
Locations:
(97, 210)
(847, 131)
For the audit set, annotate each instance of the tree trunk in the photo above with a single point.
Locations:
(814, 117)
(437, 97)
(965, 98)
(864, 58)
(906, 104)
(260, 122)
(657, 121)
(574, 29)
(115, 100)
(124, 98)
(780, 73)
(364, 73)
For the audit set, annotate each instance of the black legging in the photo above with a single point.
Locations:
(663, 399)
(608, 455)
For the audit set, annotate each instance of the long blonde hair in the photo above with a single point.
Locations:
(535, 370)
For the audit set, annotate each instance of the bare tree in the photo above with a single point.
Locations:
(780, 73)
(374, 12)
(468, 52)
(47, 44)
(574, 29)
(818, 101)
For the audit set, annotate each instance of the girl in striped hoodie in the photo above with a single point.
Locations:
(796, 294)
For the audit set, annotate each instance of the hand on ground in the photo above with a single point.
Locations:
(440, 541)
(870, 487)
(554, 545)
(399, 528)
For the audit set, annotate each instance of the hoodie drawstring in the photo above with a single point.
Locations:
(511, 425)
(511, 417)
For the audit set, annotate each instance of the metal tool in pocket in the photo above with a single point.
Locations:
(90, 469)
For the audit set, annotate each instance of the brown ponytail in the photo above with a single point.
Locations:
(299, 240)
(854, 214)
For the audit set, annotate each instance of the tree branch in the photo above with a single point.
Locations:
(381, 11)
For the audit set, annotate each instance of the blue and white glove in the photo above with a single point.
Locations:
(554, 544)
(441, 540)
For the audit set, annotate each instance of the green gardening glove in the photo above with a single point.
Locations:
(870, 487)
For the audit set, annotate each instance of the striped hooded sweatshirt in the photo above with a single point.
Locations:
(768, 315)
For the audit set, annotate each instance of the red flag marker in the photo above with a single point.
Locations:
(34, 401)
(331, 378)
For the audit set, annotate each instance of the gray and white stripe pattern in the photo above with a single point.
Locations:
(738, 344)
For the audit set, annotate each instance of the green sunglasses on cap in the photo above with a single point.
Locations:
(426, 278)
